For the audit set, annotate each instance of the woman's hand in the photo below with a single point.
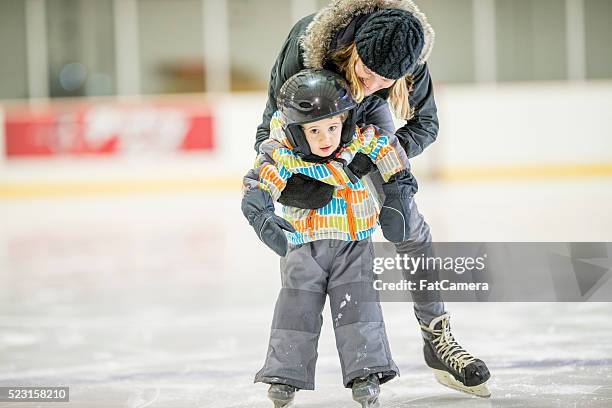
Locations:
(361, 165)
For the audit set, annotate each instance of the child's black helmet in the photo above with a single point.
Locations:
(311, 95)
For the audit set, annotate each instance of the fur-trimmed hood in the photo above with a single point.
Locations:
(321, 33)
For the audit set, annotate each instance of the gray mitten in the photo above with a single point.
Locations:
(395, 213)
(258, 208)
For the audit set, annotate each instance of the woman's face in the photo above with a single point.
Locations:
(370, 81)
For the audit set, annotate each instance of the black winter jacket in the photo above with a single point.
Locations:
(315, 37)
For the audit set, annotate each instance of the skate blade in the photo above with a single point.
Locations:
(283, 404)
(370, 403)
(448, 380)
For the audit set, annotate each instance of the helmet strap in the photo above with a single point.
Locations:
(297, 139)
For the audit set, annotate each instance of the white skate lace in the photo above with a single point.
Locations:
(446, 345)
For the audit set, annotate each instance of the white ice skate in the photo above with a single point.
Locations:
(366, 391)
(453, 366)
(281, 395)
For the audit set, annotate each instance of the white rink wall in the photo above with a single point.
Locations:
(486, 126)
(483, 127)
(515, 124)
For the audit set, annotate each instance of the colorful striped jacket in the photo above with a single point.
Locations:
(352, 213)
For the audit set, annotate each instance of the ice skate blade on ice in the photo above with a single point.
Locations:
(367, 398)
(369, 403)
(448, 380)
(366, 390)
(281, 395)
(282, 403)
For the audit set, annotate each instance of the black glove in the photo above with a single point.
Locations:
(305, 192)
(361, 165)
(258, 208)
(395, 213)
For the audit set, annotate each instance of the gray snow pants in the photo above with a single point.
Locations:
(427, 305)
(344, 270)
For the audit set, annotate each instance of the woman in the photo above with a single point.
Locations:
(381, 48)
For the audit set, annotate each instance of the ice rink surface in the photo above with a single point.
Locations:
(166, 300)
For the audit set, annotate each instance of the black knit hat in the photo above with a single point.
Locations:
(389, 42)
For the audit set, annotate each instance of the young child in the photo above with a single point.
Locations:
(327, 250)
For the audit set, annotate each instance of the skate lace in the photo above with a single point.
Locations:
(448, 348)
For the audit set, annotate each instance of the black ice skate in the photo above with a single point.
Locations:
(366, 391)
(452, 365)
(281, 395)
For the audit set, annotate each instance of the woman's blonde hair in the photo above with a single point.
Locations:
(346, 58)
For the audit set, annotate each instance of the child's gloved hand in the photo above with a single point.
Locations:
(395, 213)
(361, 165)
(258, 208)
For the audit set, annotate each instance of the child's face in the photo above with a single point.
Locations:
(323, 136)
